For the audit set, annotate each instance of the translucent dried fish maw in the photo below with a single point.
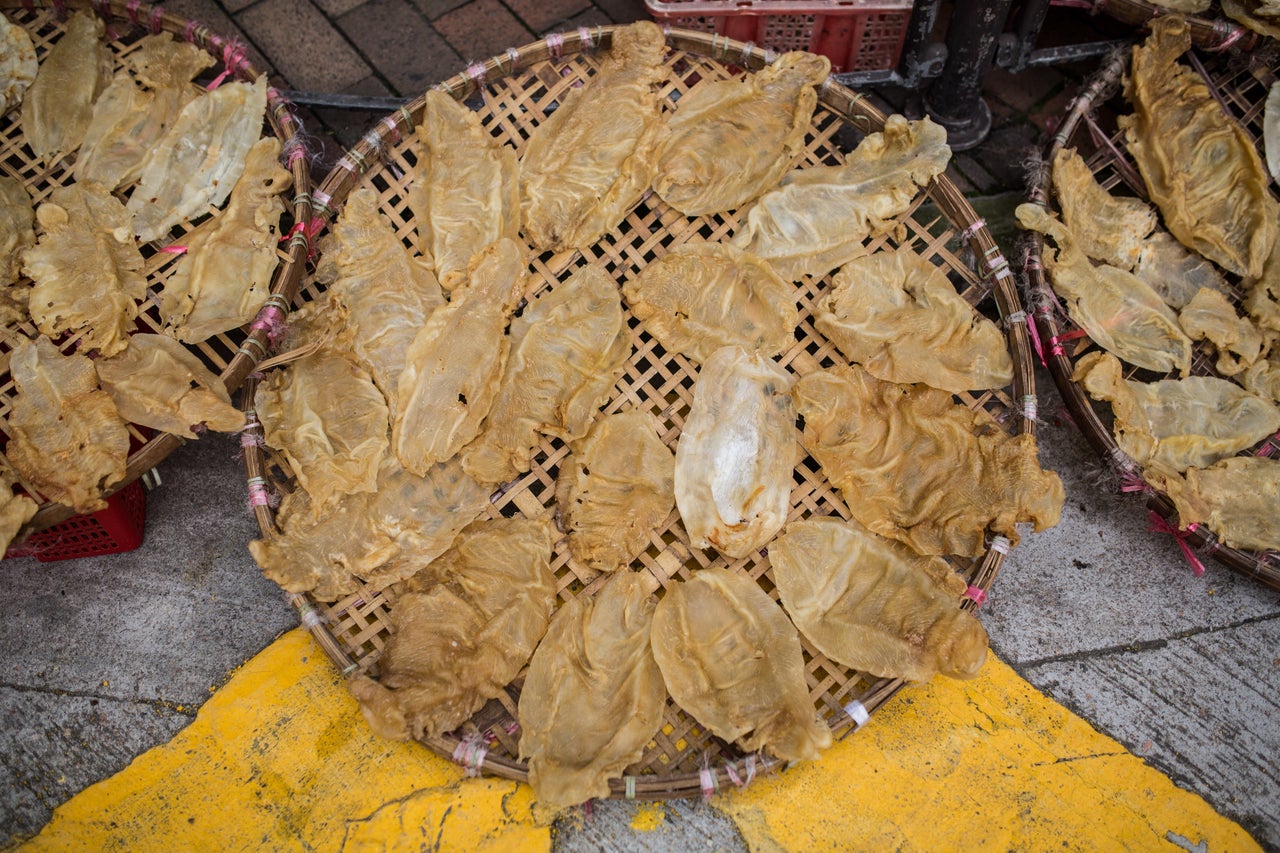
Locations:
(593, 697)
(614, 489)
(875, 605)
(1175, 273)
(199, 158)
(466, 193)
(58, 106)
(454, 365)
(1263, 378)
(592, 160)
(1235, 498)
(1107, 228)
(917, 468)
(703, 296)
(87, 269)
(1200, 167)
(1119, 312)
(464, 627)
(17, 509)
(1209, 316)
(567, 349)
(732, 659)
(159, 383)
(1271, 130)
(65, 436)
(18, 64)
(736, 453)
(162, 62)
(820, 216)
(17, 232)
(898, 315)
(732, 140)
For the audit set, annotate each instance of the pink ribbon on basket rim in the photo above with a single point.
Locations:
(470, 753)
(1158, 524)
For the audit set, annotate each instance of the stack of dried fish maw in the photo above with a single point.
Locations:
(466, 192)
(732, 659)
(792, 228)
(736, 453)
(700, 297)
(16, 509)
(1175, 273)
(1235, 498)
(17, 233)
(614, 489)
(87, 269)
(1257, 15)
(1210, 317)
(732, 140)
(66, 438)
(59, 105)
(568, 348)
(1107, 228)
(898, 316)
(589, 162)
(875, 605)
(916, 467)
(464, 628)
(593, 696)
(18, 65)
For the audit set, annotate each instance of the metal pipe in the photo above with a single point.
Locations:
(954, 100)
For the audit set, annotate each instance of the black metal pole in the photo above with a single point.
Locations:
(955, 99)
(919, 54)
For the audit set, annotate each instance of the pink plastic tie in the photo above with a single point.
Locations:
(976, 594)
(131, 9)
(969, 233)
(1159, 525)
(1056, 342)
(470, 753)
(707, 781)
(174, 250)
(555, 45)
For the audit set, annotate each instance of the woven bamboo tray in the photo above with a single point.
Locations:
(1210, 31)
(515, 91)
(1241, 85)
(231, 355)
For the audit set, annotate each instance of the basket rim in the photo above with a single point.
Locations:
(1211, 34)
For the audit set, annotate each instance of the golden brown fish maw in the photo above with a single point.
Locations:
(1107, 228)
(16, 509)
(614, 489)
(1252, 15)
(897, 315)
(1175, 273)
(589, 162)
(18, 64)
(731, 140)
(65, 436)
(820, 216)
(567, 349)
(875, 605)
(736, 453)
(17, 232)
(58, 106)
(1209, 316)
(703, 296)
(1200, 167)
(1235, 498)
(86, 267)
(916, 467)
(732, 659)
(593, 696)
(466, 625)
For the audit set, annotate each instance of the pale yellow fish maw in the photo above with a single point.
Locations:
(58, 106)
(87, 269)
(1179, 423)
(732, 659)
(916, 467)
(875, 605)
(1175, 273)
(736, 454)
(18, 65)
(159, 383)
(17, 232)
(464, 627)
(454, 365)
(1262, 298)
(465, 193)
(898, 315)
(1209, 316)
(1263, 378)
(1119, 312)
(819, 217)
(589, 162)
(65, 436)
(703, 296)
(732, 140)
(614, 489)
(162, 62)
(568, 348)
(15, 509)
(1200, 167)
(1235, 498)
(199, 158)
(593, 697)
(1107, 228)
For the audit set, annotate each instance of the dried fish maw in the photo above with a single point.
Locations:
(18, 64)
(1209, 316)
(159, 383)
(1235, 498)
(1271, 130)
(732, 140)
(1252, 15)
(589, 162)
(17, 509)
(17, 232)
(732, 659)
(567, 349)
(58, 106)
(65, 436)
(700, 297)
(162, 62)
(466, 194)
(614, 489)
(87, 269)
(465, 626)
(1263, 378)
(917, 468)
(1175, 273)
(875, 605)
(1107, 228)
(199, 159)
(736, 453)
(898, 315)
(1200, 167)
(593, 697)
(820, 216)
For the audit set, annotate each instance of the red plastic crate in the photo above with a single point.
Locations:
(113, 530)
(855, 36)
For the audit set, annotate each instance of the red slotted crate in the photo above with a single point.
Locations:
(113, 530)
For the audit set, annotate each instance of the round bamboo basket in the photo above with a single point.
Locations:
(1211, 34)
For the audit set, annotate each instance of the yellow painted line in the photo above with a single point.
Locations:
(280, 759)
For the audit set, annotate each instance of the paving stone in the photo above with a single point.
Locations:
(1004, 155)
(336, 8)
(623, 11)
(400, 45)
(211, 15)
(543, 16)
(307, 50)
(231, 6)
(1025, 89)
(482, 29)
(435, 8)
(591, 17)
